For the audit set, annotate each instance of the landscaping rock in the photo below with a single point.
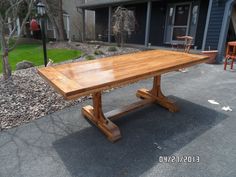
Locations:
(27, 96)
(107, 50)
(24, 65)
(97, 46)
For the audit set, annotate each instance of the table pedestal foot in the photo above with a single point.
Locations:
(157, 96)
(96, 116)
(104, 123)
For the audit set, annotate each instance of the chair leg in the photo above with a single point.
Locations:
(226, 61)
(232, 64)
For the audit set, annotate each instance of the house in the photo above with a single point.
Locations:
(72, 22)
(159, 22)
(72, 17)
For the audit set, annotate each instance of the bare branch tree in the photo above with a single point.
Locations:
(10, 10)
(123, 24)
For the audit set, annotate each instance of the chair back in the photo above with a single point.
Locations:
(187, 42)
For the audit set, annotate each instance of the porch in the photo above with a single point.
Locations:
(158, 22)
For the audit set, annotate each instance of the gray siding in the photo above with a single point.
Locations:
(201, 23)
(156, 32)
(158, 18)
(215, 24)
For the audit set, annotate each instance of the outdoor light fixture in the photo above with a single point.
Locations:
(41, 11)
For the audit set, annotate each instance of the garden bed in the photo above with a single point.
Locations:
(27, 96)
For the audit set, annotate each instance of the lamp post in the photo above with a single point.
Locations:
(41, 11)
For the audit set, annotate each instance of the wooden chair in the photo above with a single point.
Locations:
(187, 42)
(230, 54)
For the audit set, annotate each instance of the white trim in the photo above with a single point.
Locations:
(67, 25)
(18, 26)
(9, 25)
(185, 26)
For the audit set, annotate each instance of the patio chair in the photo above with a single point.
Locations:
(230, 54)
(185, 43)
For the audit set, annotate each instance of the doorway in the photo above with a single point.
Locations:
(177, 21)
(231, 36)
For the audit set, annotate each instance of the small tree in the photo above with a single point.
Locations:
(9, 12)
(123, 23)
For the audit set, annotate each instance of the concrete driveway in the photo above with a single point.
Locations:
(64, 144)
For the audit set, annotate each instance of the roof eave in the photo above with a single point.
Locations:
(92, 6)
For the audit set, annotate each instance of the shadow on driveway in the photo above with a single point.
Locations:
(146, 134)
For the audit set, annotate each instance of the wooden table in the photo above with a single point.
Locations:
(78, 79)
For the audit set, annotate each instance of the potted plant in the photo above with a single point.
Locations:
(212, 54)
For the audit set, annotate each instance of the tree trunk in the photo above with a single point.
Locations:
(6, 68)
(62, 34)
(5, 64)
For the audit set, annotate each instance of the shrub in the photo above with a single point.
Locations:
(98, 52)
(112, 49)
(89, 57)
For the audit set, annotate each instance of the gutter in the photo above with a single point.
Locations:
(106, 3)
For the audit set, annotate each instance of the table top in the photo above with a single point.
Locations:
(77, 79)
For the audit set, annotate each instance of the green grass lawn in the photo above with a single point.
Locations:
(34, 53)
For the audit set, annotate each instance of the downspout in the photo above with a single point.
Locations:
(224, 30)
(207, 24)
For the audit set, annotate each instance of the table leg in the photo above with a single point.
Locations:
(156, 95)
(96, 116)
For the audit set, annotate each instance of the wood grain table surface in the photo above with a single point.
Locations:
(77, 79)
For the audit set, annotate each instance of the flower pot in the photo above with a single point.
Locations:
(212, 56)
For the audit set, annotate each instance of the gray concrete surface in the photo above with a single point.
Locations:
(64, 144)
